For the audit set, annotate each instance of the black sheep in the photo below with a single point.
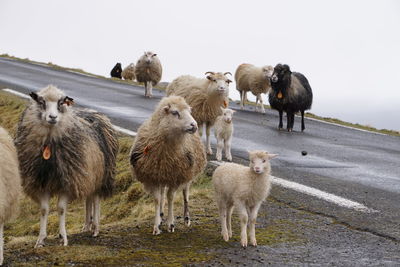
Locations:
(117, 71)
(291, 93)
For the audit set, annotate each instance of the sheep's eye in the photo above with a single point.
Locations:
(42, 104)
(175, 113)
(263, 160)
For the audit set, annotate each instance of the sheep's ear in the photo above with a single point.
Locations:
(271, 156)
(34, 96)
(286, 67)
(167, 108)
(68, 101)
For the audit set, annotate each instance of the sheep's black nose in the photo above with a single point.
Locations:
(53, 117)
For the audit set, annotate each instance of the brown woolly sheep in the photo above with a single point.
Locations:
(148, 71)
(167, 153)
(129, 72)
(65, 152)
(255, 79)
(205, 97)
(10, 183)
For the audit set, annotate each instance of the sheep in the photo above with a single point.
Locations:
(65, 152)
(205, 96)
(116, 71)
(255, 79)
(223, 131)
(148, 71)
(129, 72)
(168, 153)
(10, 183)
(244, 188)
(291, 93)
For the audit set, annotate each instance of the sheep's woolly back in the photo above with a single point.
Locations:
(234, 182)
(148, 72)
(251, 78)
(158, 160)
(83, 149)
(129, 72)
(205, 107)
(10, 181)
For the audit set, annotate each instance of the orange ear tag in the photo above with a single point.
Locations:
(279, 95)
(46, 152)
(146, 150)
(225, 104)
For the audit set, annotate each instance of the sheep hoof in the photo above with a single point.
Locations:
(244, 244)
(171, 228)
(254, 243)
(39, 244)
(225, 236)
(187, 221)
(156, 230)
(290, 130)
(209, 151)
(229, 158)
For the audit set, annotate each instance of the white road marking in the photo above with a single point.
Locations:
(343, 202)
(340, 201)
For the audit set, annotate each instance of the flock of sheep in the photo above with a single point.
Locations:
(70, 153)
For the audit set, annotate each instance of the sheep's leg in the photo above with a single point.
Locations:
(280, 120)
(150, 89)
(200, 131)
(229, 219)
(1, 243)
(89, 214)
(242, 95)
(157, 203)
(162, 206)
(302, 121)
(208, 140)
(223, 217)
(261, 103)
(291, 121)
(96, 215)
(243, 223)
(228, 154)
(44, 213)
(252, 227)
(146, 94)
(62, 210)
(220, 146)
(170, 221)
(288, 120)
(186, 215)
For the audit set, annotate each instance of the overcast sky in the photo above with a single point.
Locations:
(348, 50)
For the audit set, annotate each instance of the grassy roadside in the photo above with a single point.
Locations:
(126, 219)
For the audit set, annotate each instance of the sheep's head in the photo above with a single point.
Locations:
(176, 116)
(219, 82)
(227, 114)
(51, 104)
(280, 73)
(118, 67)
(259, 161)
(148, 57)
(268, 71)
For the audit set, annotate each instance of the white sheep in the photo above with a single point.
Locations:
(148, 71)
(244, 188)
(10, 183)
(65, 152)
(255, 79)
(223, 131)
(168, 153)
(205, 96)
(129, 72)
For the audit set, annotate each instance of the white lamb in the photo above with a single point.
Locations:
(244, 188)
(223, 131)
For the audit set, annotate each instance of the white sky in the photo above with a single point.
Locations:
(348, 50)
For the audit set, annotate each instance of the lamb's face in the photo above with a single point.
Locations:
(259, 161)
(178, 119)
(148, 57)
(280, 71)
(220, 83)
(268, 71)
(227, 114)
(51, 110)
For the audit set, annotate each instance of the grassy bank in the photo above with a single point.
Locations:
(126, 219)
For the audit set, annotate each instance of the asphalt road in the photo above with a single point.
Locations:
(360, 166)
